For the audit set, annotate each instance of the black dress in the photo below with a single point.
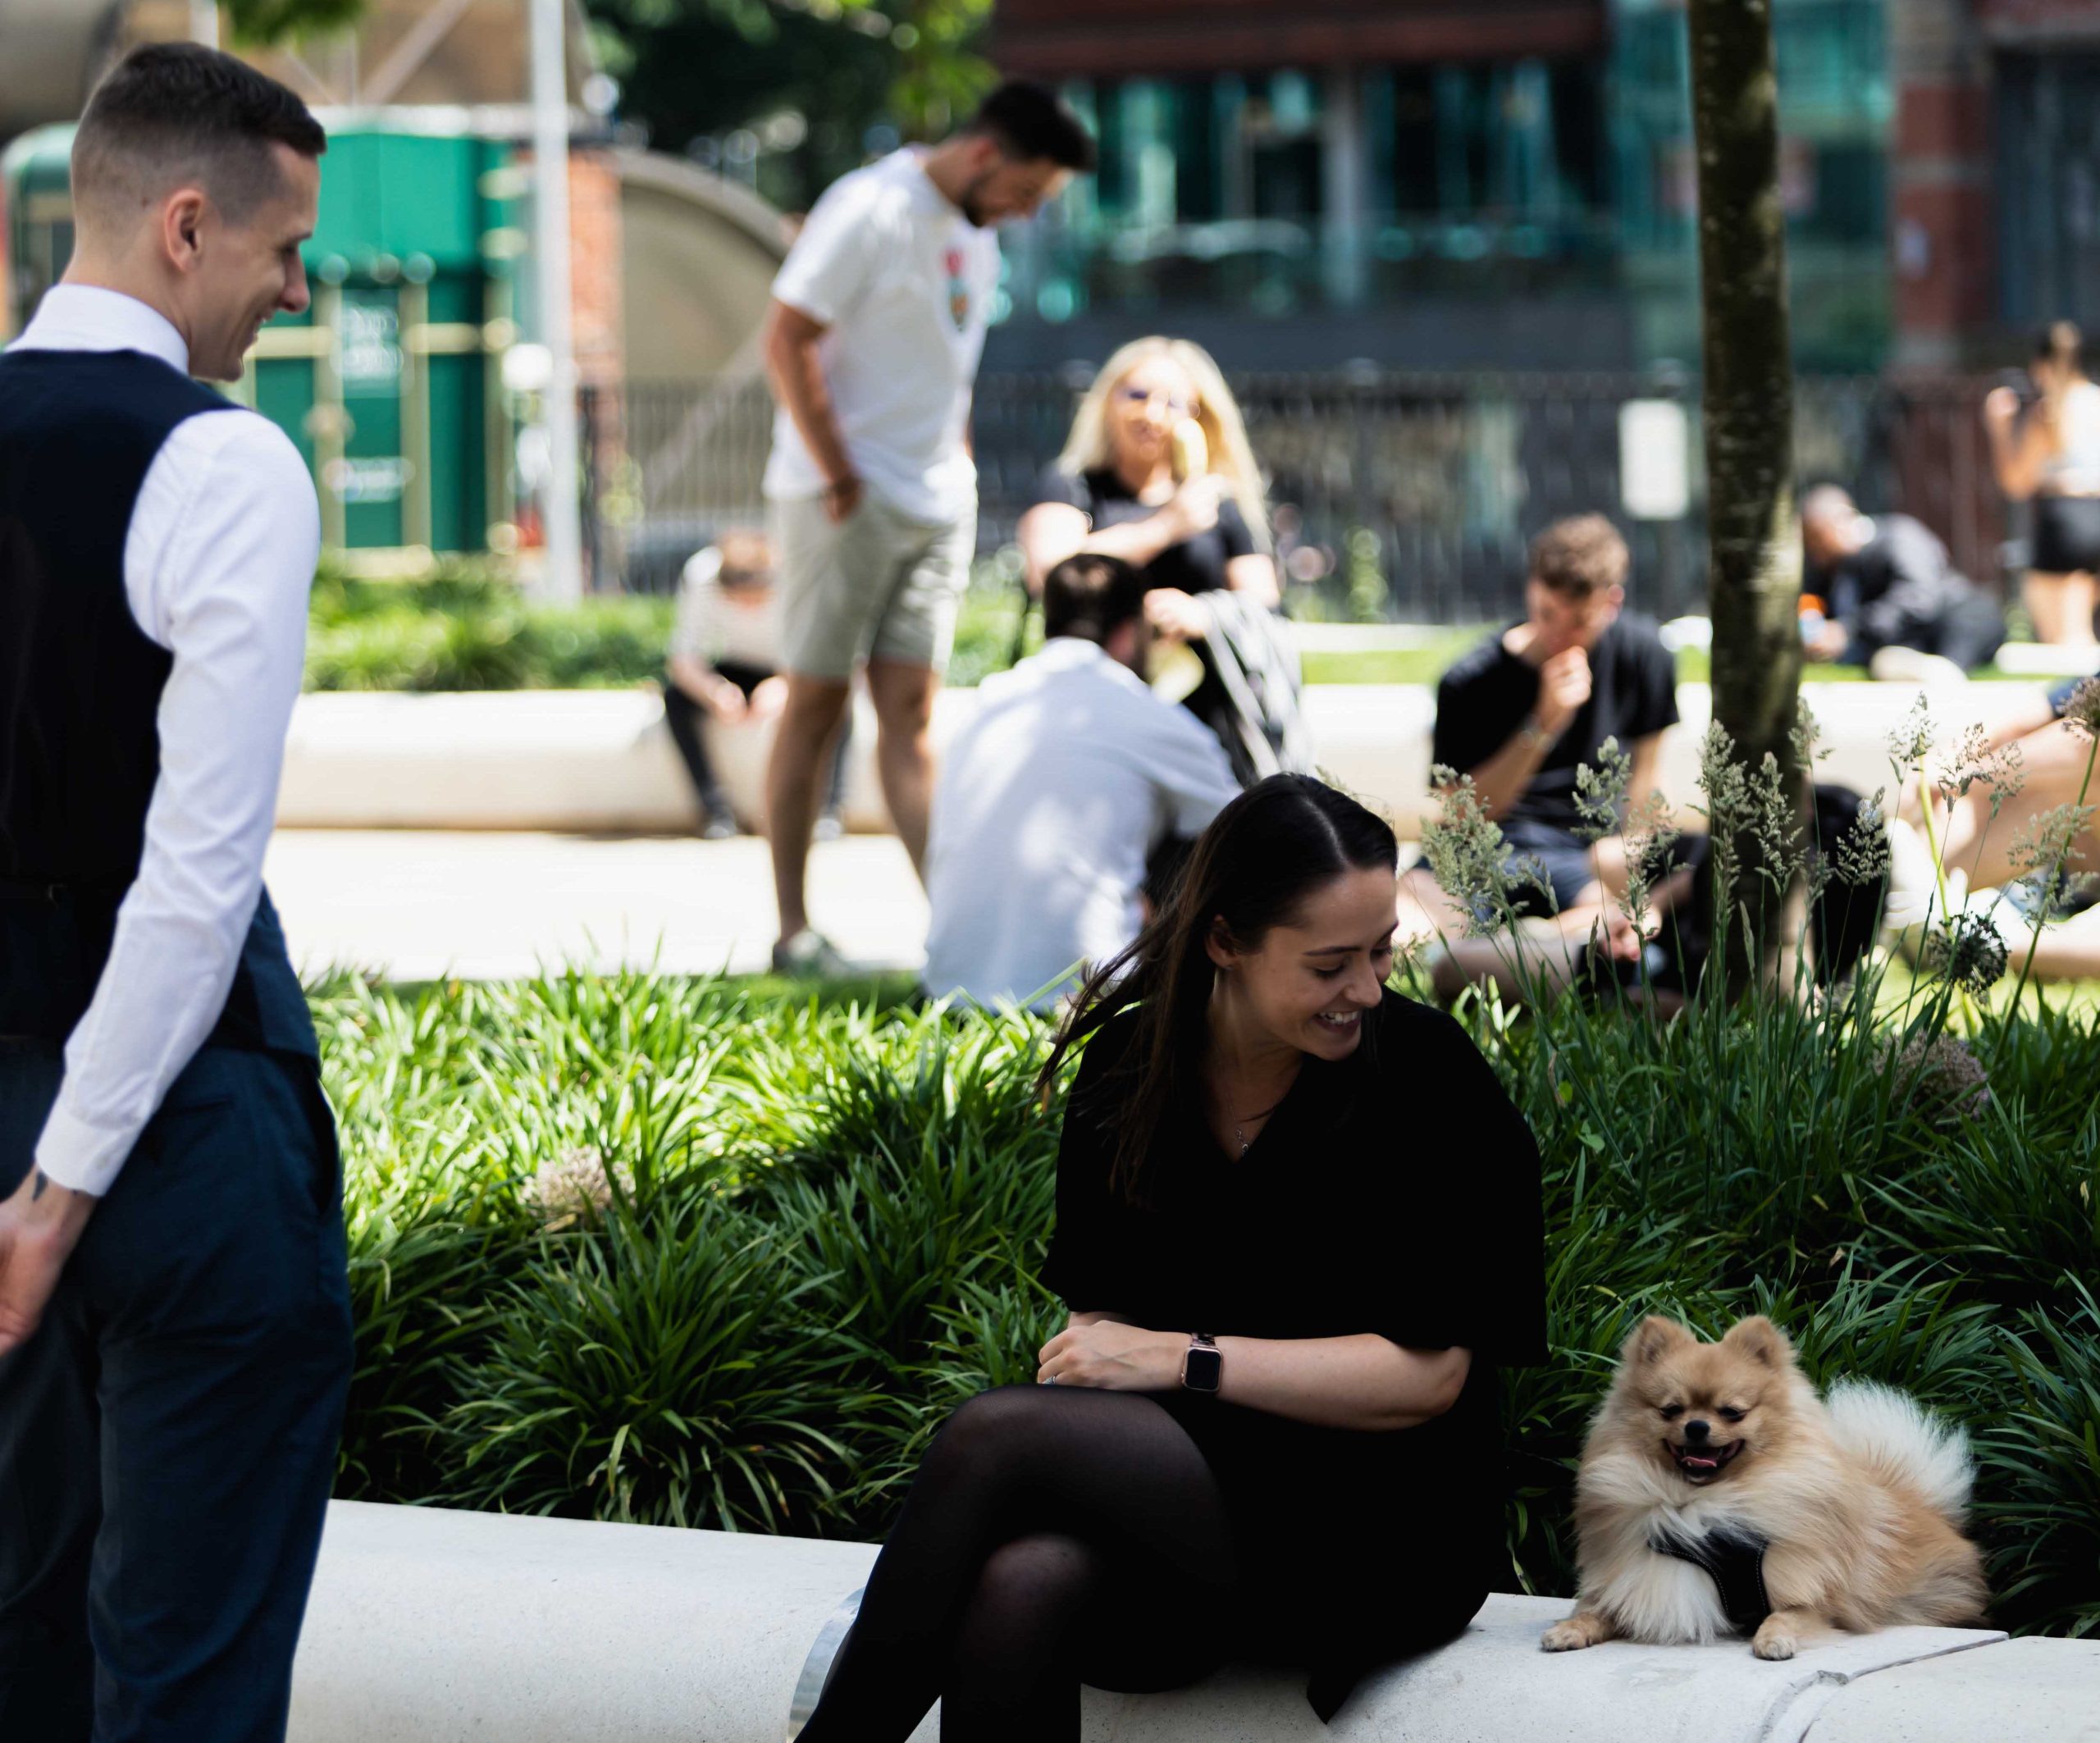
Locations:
(1396, 1192)
(1195, 565)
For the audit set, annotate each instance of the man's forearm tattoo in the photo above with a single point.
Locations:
(38, 1180)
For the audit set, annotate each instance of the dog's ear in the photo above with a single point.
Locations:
(1760, 1340)
(1653, 1339)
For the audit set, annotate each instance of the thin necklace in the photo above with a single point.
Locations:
(1240, 1130)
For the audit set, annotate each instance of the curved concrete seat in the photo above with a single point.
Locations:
(602, 760)
(432, 1626)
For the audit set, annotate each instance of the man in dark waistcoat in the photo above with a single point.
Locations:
(174, 1316)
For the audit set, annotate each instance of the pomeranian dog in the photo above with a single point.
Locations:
(1718, 1494)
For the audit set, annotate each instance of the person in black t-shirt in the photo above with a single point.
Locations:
(1526, 709)
(1114, 490)
(1270, 1430)
(1888, 583)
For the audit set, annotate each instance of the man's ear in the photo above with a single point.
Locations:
(182, 224)
(1126, 645)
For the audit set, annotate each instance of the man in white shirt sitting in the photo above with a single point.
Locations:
(723, 666)
(1052, 800)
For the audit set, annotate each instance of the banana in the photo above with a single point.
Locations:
(1192, 450)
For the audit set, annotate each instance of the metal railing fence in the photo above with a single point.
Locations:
(1409, 497)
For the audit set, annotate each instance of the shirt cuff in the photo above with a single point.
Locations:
(86, 1158)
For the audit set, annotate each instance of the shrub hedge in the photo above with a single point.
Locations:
(645, 1248)
(465, 625)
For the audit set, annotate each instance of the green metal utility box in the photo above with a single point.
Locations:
(392, 383)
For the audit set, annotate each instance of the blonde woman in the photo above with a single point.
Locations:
(1114, 490)
(2052, 457)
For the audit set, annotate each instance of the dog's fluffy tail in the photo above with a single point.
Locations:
(1901, 1441)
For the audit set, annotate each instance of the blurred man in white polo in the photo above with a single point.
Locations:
(877, 322)
(1053, 799)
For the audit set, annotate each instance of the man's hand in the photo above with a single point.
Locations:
(39, 1227)
(1563, 687)
(1829, 643)
(2001, 407)
(842, 496)
(1115, 1358)
(725, 702)
(1176, 615)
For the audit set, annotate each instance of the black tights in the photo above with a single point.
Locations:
(1055, 1535)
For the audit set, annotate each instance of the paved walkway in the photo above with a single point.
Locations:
(418, 906)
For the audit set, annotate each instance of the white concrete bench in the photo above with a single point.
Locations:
(430, 1627)
(603, 760)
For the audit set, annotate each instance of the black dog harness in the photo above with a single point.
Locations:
(1735, 1562)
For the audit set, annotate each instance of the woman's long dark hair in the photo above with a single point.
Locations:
(2062, 344)
(1251, 869)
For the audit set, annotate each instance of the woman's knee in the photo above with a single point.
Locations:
(1028, 1594)
(990, 1429)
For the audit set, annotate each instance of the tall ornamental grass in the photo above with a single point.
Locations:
(637, 1247)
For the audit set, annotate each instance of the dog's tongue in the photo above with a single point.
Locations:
(1699, 1462)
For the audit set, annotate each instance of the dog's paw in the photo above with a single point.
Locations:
(1774, 1642)
(1565, 1636)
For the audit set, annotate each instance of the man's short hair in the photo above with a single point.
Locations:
(1027, 123)
(747, 558)
(175, 112)
(1578, 557)
(1828, 502)
(1091, 596)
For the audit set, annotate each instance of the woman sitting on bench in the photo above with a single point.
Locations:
(1298, 1228)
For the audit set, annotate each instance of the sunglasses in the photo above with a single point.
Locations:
(1178, 406)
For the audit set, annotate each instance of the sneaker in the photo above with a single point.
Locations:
(721, 826)
(808, 955)
(1909, 665)
(830, 828)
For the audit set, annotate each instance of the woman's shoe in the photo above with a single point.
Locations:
(817, 1668)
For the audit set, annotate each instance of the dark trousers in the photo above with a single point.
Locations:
(168, 1436)
(685, 719)
(1969, 631)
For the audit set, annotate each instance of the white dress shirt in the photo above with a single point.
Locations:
(1048, 803)
(218, 566)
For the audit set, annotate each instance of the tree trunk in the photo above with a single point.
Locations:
(1755, 565)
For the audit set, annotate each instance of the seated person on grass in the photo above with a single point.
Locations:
(1893, 601)
(724, 663)
(1535, 702)
(1050, 802)
(1990, 843)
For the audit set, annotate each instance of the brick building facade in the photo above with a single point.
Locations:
(1995, 174)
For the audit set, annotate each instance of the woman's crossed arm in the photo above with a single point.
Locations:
(1362, 1382)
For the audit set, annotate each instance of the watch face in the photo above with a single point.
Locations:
(1203, 1370)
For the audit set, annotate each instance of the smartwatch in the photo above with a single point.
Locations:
(1203, 1366)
